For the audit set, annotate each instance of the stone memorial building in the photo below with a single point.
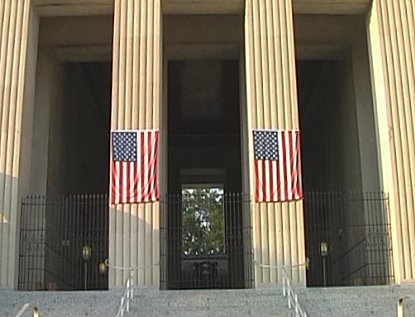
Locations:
(206, 143)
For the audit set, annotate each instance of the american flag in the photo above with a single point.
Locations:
(134, 176)
(277, 165)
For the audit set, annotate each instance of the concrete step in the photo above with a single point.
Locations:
(62, 304)
(150, 303)
(203, 303)
(379, 301)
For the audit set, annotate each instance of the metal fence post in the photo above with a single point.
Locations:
(400, 305)
(284, 290)
(296, 304)
(128, 296)
(132, 284)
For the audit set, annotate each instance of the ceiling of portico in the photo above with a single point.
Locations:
(203, 6)
(105, 7)
(237, 6)
(331, 6)
(73, 7)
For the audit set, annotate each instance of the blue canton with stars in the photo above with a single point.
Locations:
(124, 146)
(266, 145)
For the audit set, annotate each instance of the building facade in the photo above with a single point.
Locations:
(205, 74)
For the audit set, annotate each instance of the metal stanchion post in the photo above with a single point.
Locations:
(86, 255)
(324, 250)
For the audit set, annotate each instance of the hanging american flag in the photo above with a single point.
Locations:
(134, 176)
(277, 165)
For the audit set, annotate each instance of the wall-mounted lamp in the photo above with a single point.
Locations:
(324, 249)
(86, 252)
(86, 255)
(102, 267)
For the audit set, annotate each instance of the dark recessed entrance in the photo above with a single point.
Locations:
(204, 207)
(346, 228)
(64, 234)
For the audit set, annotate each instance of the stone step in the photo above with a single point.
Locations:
(62, 304)
(379, 301)
(197, 303)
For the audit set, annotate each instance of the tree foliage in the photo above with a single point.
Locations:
(203, 221)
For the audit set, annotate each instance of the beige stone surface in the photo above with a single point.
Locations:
(265, 44)
(278, 233)
(14, 24)
(391, 32)
(136, 96)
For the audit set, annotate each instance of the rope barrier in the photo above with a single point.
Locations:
(269, 266)
(129, 268)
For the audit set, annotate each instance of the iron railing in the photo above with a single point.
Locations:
(291, 295)
(400, 304)
(206, 242)
(355, 229)
(63, 242)
(127, 296)
(22, 310)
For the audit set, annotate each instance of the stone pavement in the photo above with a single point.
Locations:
(379, 301)
(62, 304)
(213, 303)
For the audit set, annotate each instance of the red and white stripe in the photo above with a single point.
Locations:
(280, 180)
(136, 182)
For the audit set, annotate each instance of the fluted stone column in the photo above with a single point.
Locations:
(134, 228)
(391, 30)
(14, 25)
(278, 233)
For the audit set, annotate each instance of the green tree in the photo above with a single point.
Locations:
(203, 221)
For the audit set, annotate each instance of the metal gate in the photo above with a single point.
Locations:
(348, 238)
(206, 241)
(63, 243)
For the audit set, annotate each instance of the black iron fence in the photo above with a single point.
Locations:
(348, 238)
(63, 243)
(206, 240)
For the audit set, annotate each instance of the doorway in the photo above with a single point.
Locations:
(64, 217)
(205, 202)
(346, 227)
(346, 220)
